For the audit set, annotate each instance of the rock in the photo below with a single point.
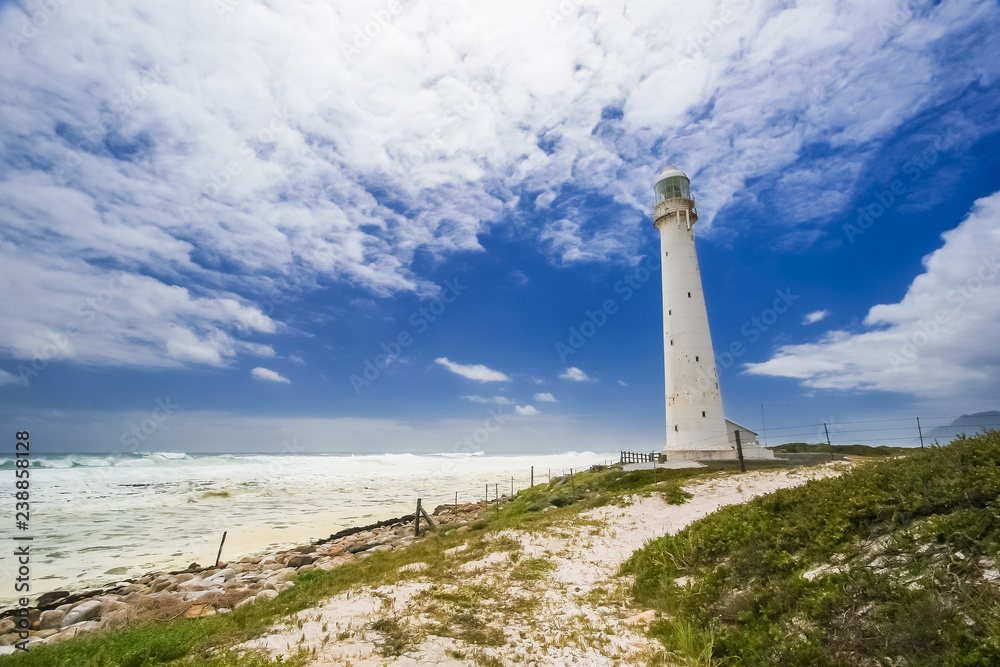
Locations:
(641, 619)
(182, 577)
(248, 600)
(194, 585)
(224, 575)
(199, 611)
(299, 561)
(9, 639)
(267, 595)
(33, 615)
(84, 611)
(51, 619)
(381, 547)
(306, 549)
(72, 631)
(194, 566)
(335, 550)
(462, 529)
(46, 633)
(281, 575)
(306, 568)
(46, 599)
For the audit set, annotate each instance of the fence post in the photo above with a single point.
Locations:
(416, 520)
(739, 451)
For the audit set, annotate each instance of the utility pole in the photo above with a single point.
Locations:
(828, 440)
(921, 432)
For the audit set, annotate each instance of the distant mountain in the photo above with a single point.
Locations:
(968, 424)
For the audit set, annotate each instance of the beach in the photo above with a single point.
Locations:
(101, 519)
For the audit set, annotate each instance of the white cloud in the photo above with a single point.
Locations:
(497, 400)
(938, 342)
(815, 316)
(297, 359)
(268, 375)
(545, 397)
(9, 378)
(476, 372)
(527, 410)
(622, 383)
(575, 374)
(298, 164)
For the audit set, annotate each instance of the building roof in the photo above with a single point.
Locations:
(730, 422)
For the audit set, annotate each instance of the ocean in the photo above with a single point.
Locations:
(101, 519)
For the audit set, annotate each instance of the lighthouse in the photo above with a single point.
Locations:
(697, 427)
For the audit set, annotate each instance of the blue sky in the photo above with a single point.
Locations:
(212, 218)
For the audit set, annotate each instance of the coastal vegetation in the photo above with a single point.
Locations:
(892, 563)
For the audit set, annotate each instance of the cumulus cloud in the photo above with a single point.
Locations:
(220, 172)
(497, 400)
(815, 316)
(477, 372)
(545, 397)
(526, 411)
(939, 340)
(268, 375)
(8, 378)
(574, 374)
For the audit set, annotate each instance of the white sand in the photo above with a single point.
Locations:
(583, 606)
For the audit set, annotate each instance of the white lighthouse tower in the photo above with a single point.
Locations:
(696, 423)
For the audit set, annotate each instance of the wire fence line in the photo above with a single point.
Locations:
(896, 431)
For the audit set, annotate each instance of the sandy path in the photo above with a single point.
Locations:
(576, 610)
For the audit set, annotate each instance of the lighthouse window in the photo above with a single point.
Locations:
(675, 427)
(670, 312)
(702, 413)
(689, 295)
(671, 342)
(666, 254)
(696, 359)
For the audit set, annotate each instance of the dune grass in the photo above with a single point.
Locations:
(892, 563)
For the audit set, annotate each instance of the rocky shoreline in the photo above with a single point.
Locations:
(205, 591)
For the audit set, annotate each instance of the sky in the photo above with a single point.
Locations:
(380, 226)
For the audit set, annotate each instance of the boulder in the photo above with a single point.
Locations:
(306, 549)
(51, 619)
(299, 561)
(224, 575)
(194, 585)
(46, 599)
(199, 611)
(84, 611)
(248, 600)
(6, 625)
(267, 595)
